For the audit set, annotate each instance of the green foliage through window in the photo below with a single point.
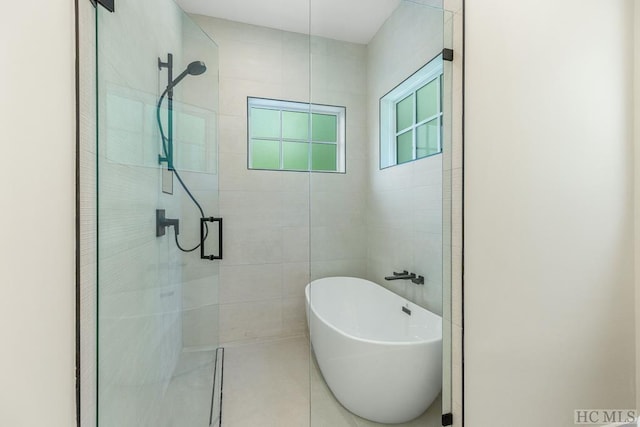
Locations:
(411, 117)
(294, 136)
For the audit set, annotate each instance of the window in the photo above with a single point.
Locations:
(295, 136)
(411, 117)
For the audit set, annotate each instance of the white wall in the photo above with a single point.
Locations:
(404, 202)
(636, 96)
(337, 245)
(37, 250)
(283, 227)
(549, 309)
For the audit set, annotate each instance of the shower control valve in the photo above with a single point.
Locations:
(162, 222)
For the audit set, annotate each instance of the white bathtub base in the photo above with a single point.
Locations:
(383, 381)
(374, 385)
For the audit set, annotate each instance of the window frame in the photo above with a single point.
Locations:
(340, 112)
(388, 134)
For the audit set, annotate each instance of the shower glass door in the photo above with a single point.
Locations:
(157, 298)
(385, 213)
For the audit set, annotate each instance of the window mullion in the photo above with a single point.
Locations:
(281, 145)
(393, 148)
(249, 140)
(309, 145)
(414, 129)
(440, 116)
(428, 119)
(405, 130)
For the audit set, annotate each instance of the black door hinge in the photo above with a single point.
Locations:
(107, 4)
(447, 419)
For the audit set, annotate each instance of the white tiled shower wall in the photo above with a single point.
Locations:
(200, 102)
(404, 204)
(268, 214)
(414, 211)
(338, 201)
(138, 303)
(271, 216)
(140, 274)
(366, 223)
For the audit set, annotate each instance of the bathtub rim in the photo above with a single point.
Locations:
(307, 290)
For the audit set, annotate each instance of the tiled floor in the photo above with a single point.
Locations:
(275, 384)
(187, 400)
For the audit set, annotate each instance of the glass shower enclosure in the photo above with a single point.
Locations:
(156, 177)
(167, 304)
(383, 216)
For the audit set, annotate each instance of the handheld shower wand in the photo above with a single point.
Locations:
(195, 68)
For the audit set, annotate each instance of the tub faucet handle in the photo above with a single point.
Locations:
(418, 280)
(405, 275)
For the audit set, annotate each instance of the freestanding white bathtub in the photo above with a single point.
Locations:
(380, 362)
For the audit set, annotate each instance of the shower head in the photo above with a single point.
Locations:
(195, 69)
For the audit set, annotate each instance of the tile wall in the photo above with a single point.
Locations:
(404, 202)
(139, 321)
(428, 235)
(142, 327)
(282, 227)
(338, 201)
(276, 223)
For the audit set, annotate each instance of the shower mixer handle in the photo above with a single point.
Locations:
(163, 222)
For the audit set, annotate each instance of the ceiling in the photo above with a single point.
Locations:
(354, 21)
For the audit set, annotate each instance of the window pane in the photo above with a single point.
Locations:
(295, 155)
(428, 102)
(323, 157)
(265, 123)
(324, 127)
(265, 154)
(427, 138)
(295, 125)
(405, 147)
(404, 113)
